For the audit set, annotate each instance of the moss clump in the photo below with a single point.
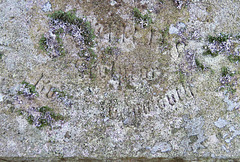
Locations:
(56, 117)
(109, 50)
(60, 93)
(1, 54)
(209, 52)
(225, 71)
(30, 87)
(145, 20)
(164, 39)
(68, 17)
(221, 38)
(231, 89)
(46, 118)
(92, 53)
(181, 77)
(30, 119)
(43, 43)
(43, 123)
(93, 76)
(60, 42)
(71, 18)
(226, 81)
(199, 64)
(20, 112)
(60, 31)
(233, 58)
(129, 86)
(45, 109)
(83, 35)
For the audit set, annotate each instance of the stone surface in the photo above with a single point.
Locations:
(220, 123)
(151, 90)
(47, 7)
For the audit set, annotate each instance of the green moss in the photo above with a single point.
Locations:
(30, 119)
(20, 112)
(139, 18)
(233, 58)
(93, 76)
(164, 38)
(92, 53)
(60, 43)
(209, 52)
(43, 123)
(221, 38)
(225, 71)
(107, 71)
(31, 87)
(59, 31)
(231, 89)
(68, 17)
(129, 86)
(45, 109)
(109, 50)
(42, 120)
(229, 86)
(93, 58)
(56, 117)
(59, 40)
(20, 93)
(199, 64)
(181, 77)
(71, 18)
(61, 93)
(1, 55)
(43, 43)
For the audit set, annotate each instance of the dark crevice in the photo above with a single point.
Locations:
(169, 101)
(180, 98)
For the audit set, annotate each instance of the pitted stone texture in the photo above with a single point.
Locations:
(220, 123)
(162, 146)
